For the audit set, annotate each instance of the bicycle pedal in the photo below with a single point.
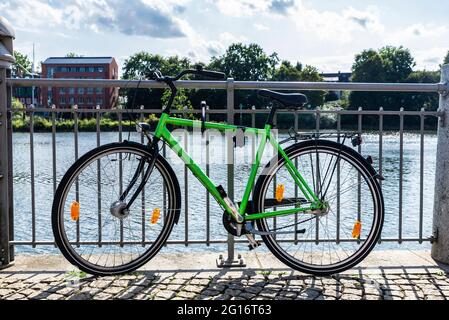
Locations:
(255, 245)
(301, 231)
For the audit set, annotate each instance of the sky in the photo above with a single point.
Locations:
(323, 33)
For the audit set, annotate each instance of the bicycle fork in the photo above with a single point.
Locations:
(120, 208)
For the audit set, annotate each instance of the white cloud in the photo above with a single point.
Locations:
(203, 49)
(418, 32)
(326, 25)
(367, 19)
(261, 27)
(33, 14)
(326, 38)
(336, 26)
(241, 8)
(429, 58)
(150, 18)
(332, 63)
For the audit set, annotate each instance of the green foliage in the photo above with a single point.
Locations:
(397, 63)
(73, 55)
(388, 64)
(414, 101)
(142, 65)
(16, 104)
(246, 62)
(288, 72)
(252, 63)
(76, 274)
(368, 67)
(42, 124)
(181, 102)
(240, 61)
(243, 63)
(22, 65)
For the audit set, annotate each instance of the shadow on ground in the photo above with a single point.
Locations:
(395, 283)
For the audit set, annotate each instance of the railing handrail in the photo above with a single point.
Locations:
(237, 111)
(245, 85)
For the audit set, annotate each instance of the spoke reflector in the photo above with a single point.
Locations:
(357, 229)
(280, 192)
(155, 215)
(75, 211)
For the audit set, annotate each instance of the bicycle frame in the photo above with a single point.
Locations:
(162, 133)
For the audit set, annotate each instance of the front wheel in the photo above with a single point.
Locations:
(345, 231)
(95, 237)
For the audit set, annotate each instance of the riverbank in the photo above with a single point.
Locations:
(42, 124)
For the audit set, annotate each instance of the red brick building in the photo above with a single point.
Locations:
(80, 68)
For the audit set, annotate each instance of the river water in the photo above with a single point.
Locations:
(197, 199)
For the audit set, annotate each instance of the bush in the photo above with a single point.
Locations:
(42, 124)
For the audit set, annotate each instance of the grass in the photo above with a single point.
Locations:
(265, 273)
(76, 274)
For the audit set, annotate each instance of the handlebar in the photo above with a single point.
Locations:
(198, 71)
(170, 81)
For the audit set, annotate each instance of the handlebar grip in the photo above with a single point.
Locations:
(212, 74)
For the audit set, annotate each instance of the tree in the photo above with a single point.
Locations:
(22, 66)
(142, 65)
(73, 55)
(367, 67)
(389, 64)
(243, 63)
(288, 72)
(181, 102)
(246, 62)
(417, 100)
(398, 63)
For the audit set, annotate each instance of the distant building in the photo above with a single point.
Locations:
(337, 77)
(80, 68)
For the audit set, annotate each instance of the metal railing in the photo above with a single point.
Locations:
(230, 112)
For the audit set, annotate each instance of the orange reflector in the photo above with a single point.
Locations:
(155, 215)
(75, 211)
(357, 229)
(280, 192)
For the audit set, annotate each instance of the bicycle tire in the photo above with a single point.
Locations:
(365, 168)
(174, 207)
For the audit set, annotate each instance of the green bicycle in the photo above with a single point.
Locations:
(317, 205)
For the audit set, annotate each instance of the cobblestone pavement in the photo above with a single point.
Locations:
(224, 285)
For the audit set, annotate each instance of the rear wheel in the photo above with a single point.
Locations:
(336, 238)
(95, 238)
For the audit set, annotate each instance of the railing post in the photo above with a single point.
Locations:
(230, 93)
(440, 245)
(6, 61)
